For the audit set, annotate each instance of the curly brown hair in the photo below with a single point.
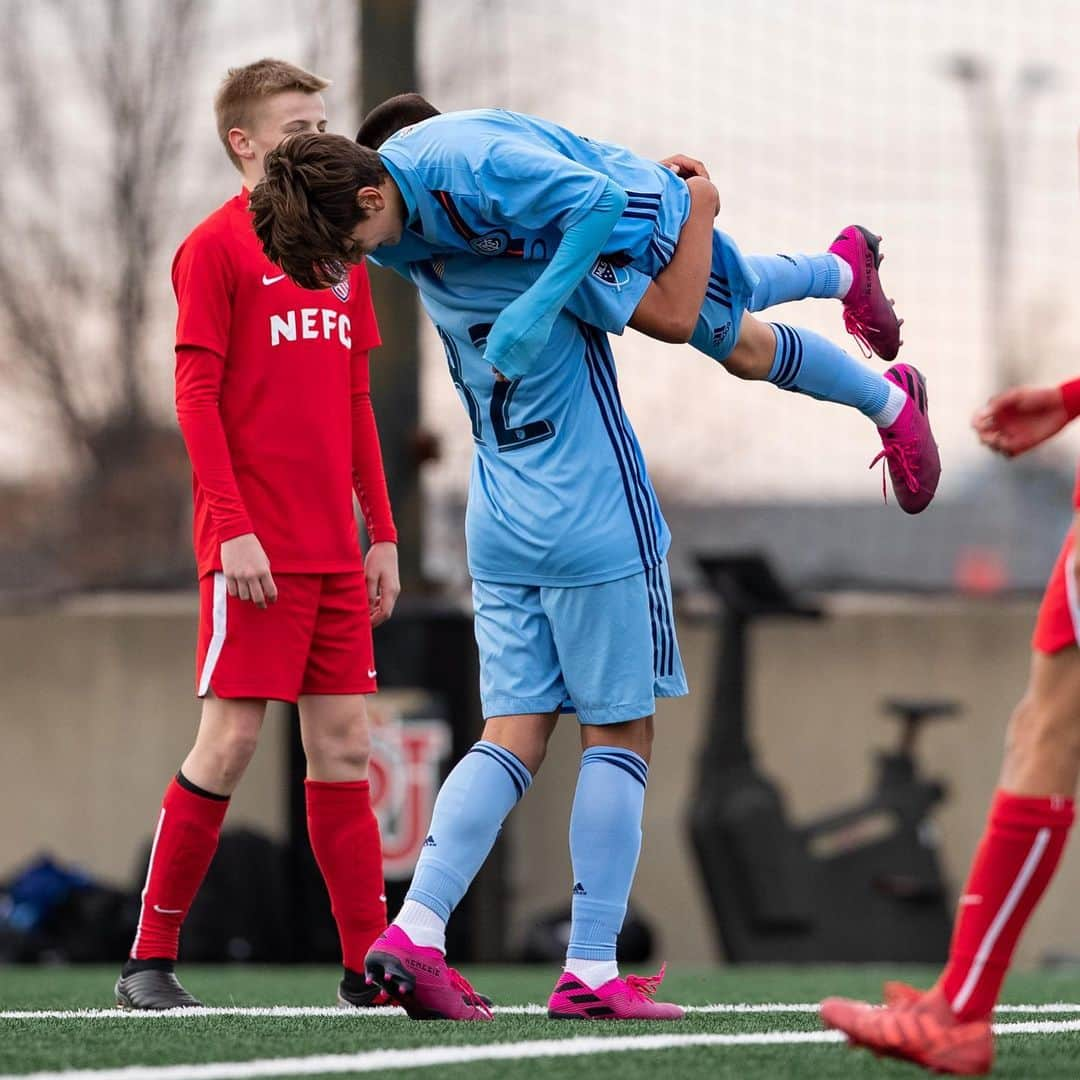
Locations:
(304, 209)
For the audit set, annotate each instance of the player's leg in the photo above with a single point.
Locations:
(334, 729)
(521, 691)
(244, 656)
(948, 1027)
(618, 652)
(184, 843)
(803, 362)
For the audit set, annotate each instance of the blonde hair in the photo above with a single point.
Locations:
(243, 87)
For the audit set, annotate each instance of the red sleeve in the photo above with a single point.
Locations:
(369, 480)
(1070, 393)
(198, 391)
(365, 327)
(203, 281)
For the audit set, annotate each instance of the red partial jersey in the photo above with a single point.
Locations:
(272, 395)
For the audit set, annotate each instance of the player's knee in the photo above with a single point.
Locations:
(1040, 733)
(342, 745)
(234, 750)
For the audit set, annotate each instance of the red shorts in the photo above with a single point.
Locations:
(315, 639)
(1058, 623)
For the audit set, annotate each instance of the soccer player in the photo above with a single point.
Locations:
(509, 186)
(272, 397)
(567, 546)
(947, 1028)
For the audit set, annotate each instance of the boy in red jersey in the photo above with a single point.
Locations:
(947, 1028)
(272, 396)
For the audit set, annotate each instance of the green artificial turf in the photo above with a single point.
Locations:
(28, 1045)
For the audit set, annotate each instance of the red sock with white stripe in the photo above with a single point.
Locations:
(185, 841)
(1014, 863)
(345, 838)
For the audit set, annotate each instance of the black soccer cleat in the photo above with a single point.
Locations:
(153, 990)
(350, 996)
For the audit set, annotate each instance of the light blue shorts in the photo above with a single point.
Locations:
(731, 284)
(603, 651)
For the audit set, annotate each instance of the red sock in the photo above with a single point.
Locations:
(1014, 863)
(184, 843)
(345, 838)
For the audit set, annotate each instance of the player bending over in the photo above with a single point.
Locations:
(273, 402)
(567, 548)
(947, 1028)
(512, 187)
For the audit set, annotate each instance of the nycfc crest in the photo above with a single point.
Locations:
(492, 243)
(341, 290)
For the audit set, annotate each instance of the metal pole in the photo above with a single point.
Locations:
(387, 56)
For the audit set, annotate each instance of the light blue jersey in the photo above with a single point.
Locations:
(559, 494)
(506, 185)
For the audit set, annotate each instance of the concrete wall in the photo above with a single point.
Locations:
(96, 710)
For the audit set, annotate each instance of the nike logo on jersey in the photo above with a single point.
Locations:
(371, 674)
(272, 280)
(168, 911)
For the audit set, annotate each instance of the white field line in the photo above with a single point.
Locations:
(1060, 1008)
(427, 1057)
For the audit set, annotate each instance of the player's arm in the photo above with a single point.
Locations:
(369, 477)
(203, 284)
(669, 309)
(534, 188)
(1021, 418)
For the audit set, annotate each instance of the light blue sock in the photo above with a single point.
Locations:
(783, 278)
(807, 363)
(605, 841)
(483, 787)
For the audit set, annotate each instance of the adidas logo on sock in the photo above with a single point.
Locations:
(430, 841)
(579, 890)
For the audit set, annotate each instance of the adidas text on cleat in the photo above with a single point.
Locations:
(419, 979)
(868, 313)
(155, 990)
(908, 444)
(618, 999)
(919, 1028)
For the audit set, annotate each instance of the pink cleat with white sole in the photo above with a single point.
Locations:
(909, 447)
(618, 999)
(868, 312)
(420, 980)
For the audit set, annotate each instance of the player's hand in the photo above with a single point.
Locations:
(247, 570)
(1019, 419)
(383, 583)
(684, 166)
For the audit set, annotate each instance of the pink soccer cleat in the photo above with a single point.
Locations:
(618, 999)
(909, 447)
(420, 980)
(868, 313)
(915, 1027)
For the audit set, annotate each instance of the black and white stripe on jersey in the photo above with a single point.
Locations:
(640, 501)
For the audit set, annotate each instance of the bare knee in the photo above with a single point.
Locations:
(226, 742)
(337, 741)
(525, 736)
(635, 735)
(1042, 749)
(752, 356)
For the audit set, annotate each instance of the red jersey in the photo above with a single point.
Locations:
(272, 394)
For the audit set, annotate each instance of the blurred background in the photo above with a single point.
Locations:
(949, 127)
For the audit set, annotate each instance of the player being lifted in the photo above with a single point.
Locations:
(513, 187)
(272, 395)
(567, 549)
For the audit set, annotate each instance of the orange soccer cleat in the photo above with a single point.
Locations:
(917, 1027)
